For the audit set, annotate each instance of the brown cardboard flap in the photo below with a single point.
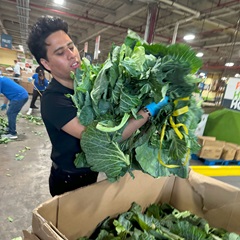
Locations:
(43, 218)
(217, 202)
(81, 211)
(29, 236)
(232, 145)
(216, 143)
(202, 139)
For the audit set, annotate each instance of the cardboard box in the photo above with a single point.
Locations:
(211, 149)
(77, 213)
(28, 86)
(26, 75)
(237, 148)
(237, 155)
(210, 152)
(229, 151)
(202, 139)
(29, 236)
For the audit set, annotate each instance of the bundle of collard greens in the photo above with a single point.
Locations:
(158, 222)
(3, 125)
(134, 75)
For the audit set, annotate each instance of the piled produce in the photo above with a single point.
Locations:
(3, 126)
(158, 222)
(108, 95)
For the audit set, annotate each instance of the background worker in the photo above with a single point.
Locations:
(29, 69)
(53, 49)
(17, 96)
(16, 71)
(40, 83)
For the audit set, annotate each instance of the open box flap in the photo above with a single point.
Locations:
(44, 219)
(216, 201)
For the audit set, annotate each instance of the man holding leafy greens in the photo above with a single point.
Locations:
(54, 50)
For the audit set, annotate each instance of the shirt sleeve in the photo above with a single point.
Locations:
(34, 76)
(58, 109)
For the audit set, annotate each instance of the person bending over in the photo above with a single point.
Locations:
(18, 96)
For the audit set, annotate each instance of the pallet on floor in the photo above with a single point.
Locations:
(213, 162)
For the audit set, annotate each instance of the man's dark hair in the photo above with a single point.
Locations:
(44, 27)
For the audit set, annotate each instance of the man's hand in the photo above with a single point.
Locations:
(30, 79)
(4, 107)
(154, 108)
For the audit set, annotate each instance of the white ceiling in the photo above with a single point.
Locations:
(215, 23)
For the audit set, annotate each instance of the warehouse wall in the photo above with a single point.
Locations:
(7, 56)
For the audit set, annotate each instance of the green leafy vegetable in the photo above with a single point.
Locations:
(134, 75)
(10, 219)
(158, 222)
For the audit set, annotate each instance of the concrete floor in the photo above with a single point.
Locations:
(24, 184)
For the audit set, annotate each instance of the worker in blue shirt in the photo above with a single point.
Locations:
(17, 97)
(40, 83)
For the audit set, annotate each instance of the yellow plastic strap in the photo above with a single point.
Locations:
(176, 126)
(187, 156)
(162, 133)
(180, 99)
(159, 155)
(180, 111)
(166, 165)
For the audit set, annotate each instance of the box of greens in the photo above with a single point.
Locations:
(78, 213)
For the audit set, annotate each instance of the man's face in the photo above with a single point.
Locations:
(63, 56)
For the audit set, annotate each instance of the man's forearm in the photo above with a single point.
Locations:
(134, 124)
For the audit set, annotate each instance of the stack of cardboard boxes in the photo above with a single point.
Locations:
(25, 83)
(214, 149)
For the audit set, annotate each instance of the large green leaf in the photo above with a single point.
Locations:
(147, 157)
(103, 154)
(101, 83)
(128, 102)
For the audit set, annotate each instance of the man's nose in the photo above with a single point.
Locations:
(70, 53)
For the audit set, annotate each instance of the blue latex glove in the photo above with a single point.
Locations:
(4, 107)
(30, 79)
(154, 108)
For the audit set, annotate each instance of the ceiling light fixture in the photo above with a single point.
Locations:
(199, 54)
(229, 64)
(237, 75)
(189, 37)
(60, 2)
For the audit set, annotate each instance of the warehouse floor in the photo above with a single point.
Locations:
(24, 183)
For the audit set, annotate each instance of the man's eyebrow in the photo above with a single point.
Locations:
(60, 48)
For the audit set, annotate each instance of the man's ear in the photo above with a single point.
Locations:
(44, 62)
